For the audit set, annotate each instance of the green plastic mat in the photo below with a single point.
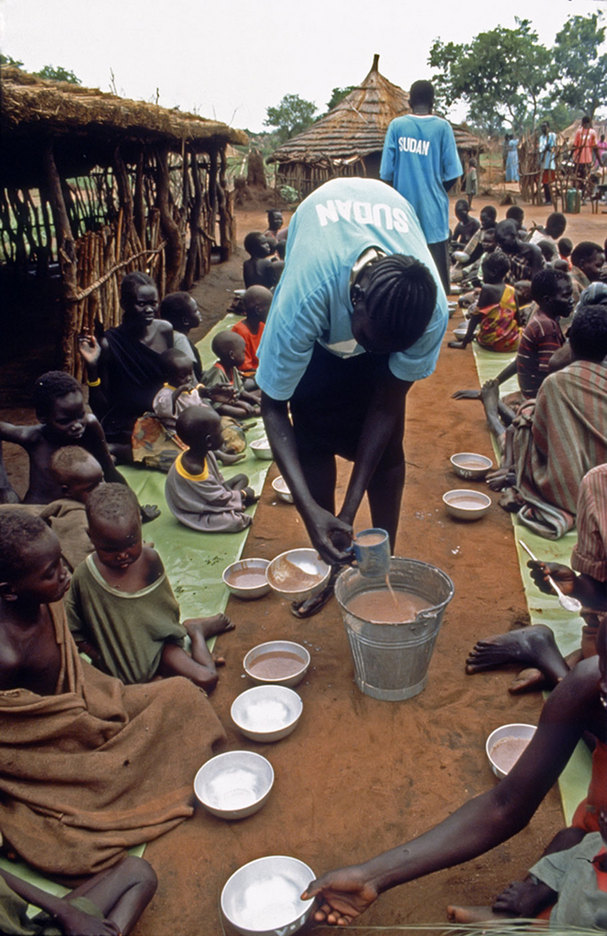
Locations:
(545, 609)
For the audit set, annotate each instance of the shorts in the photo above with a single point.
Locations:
(330, 403)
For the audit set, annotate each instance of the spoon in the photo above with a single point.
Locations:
(565, 601)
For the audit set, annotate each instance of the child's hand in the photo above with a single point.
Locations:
(221, 394)
(249, 496)
(148, 512)
(90, 349)
(562, 575)
(228, 458)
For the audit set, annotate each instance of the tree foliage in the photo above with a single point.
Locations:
(337, 95)
(582, 69)
(9, 60)
(501, 75)
(57, 73)
(506, 76)
(291, 116)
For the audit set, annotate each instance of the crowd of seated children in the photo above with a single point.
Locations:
(260, 269)
(196, 492)
(230, 350)
(91, 740)
(121, 608)
(59, 405)
(256, 302)
(493, 318)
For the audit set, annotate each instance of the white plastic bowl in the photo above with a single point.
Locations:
(298, 574)
(505, 745)
(247, 578)
(465, 504)
(262, 898)
(261, 449)
(280, 486)
(296, 660)
(235, 784)
(471, 465)
(266, 713)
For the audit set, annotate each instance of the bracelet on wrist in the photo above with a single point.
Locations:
(94, 383)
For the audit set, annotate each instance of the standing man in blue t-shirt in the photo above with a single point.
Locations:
(421, 161)
(357, 317)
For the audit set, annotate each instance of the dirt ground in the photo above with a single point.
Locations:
(359, 775)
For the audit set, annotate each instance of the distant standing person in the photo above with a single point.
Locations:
(421, 161)
(547, 148)
(511, 147)
(584, 151)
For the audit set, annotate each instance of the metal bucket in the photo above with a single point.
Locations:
(391, 660)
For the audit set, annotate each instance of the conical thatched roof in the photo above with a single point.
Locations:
(86, 124)
(599, 126)
(353, 128)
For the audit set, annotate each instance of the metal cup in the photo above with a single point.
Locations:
(371, 550)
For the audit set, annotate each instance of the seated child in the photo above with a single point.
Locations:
(79, 474)
(59, 406)
(259, 269)
(495, 312)
(565, 248)
(466, 226)
(181, 310)
(121, 607)
(257, 301)
(106, 766)
(230, 350)
(109, 902)
(196, 493)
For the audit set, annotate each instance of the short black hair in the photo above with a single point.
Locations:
(565, 246)
(489, 211)
(421, 92)
(588, 332)
(252, 243)
(224, 342)
(195, 422)
(496, 264)
(175, 307)
(130, 284)
(549, 251)
(515, 213)
(67, 460)
(583, 251)
(50, 387)
(18, 530)
(400, 297)
(556, 222)
(545, 283)
(172, 359)
(462, 205)
(112, 501)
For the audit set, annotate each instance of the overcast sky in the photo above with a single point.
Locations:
(231, 59)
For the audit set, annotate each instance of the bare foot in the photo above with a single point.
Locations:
(472, 914)
(466, 395)
(510, 501)
(208, 626)
(529, 679)
(526, 645)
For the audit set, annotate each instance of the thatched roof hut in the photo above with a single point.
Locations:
(95, 185)
(348, 140)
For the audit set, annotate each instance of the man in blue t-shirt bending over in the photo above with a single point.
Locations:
(421, 161)
(358, 316)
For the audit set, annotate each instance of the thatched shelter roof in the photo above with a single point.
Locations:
(86, 125)
(353, 128)
(600, 127)
(356, 127)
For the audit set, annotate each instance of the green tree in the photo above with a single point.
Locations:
(501, 75)
(582, 68)
(337, 95)
(57, 73)
(9, 60)
(291, 116)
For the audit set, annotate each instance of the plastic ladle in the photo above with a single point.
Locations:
(565, 601)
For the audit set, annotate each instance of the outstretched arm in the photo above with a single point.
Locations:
(327, 532)
(478, 825)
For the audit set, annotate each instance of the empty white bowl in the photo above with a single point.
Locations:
(266, 713)
(471, 465)
(261, 449)
(298, 574)
(235, 784)
(263, 898)
(505, 745)
(247, 578)
(277, 662)
(280, 486)
(465, 504)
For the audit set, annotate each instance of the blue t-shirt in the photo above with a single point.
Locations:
(327, 234)
(420, 154)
